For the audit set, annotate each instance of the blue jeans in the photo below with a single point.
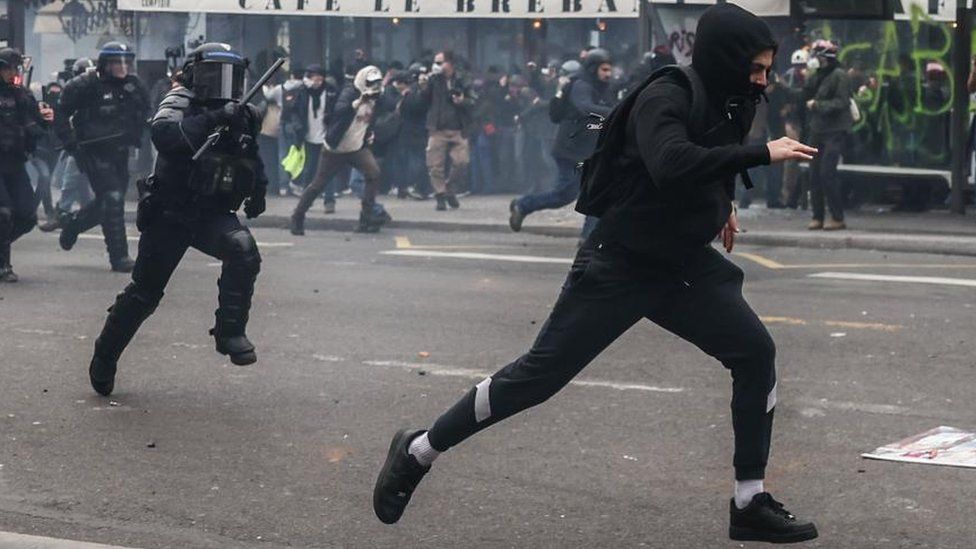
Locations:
(565, 191)
(74, 184)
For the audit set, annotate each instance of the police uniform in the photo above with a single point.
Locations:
(101, 116)
(20, 127)
(193, 204)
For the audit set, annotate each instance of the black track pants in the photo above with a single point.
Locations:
(604, 295)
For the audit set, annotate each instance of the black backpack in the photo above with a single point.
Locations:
(600, 181)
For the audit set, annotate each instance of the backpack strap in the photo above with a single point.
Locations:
(699, 101)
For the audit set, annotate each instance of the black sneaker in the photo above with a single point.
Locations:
(452, 201)
(398, 479)
(441, 202)
(765, 519)
(515, 216)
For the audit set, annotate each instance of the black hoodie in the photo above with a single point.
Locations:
(679, 193)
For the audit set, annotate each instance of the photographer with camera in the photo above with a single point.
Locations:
(449, 116)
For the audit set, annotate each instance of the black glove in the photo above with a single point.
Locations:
(223, 116)
(256, 204)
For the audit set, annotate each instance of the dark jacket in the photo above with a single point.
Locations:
(342, 116)
(830, 88)
(443, 113)
(413, 109)
(586, 95)
(679, 194)
(294, 110)
(93, 108)
(21, 126)
(180, 126)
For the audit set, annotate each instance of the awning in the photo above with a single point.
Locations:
(513, 9)
(939, 10)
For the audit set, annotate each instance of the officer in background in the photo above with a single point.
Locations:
(22, 123)
(103, 113)
(194, 203)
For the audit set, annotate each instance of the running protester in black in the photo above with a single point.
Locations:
(651, 257)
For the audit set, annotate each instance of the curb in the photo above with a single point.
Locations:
(850, 240)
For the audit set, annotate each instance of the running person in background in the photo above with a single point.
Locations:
(650, 257)
(22, 123)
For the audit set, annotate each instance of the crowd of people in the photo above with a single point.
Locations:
(436, 129)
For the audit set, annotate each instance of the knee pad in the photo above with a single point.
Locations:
(134, 297)
(242, 250)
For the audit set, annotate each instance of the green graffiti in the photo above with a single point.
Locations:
(901, 121)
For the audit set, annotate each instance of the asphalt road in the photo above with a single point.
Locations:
(359, 335)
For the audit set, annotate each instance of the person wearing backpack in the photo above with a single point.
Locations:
(582, 97)
(651, 257)
(828, 93)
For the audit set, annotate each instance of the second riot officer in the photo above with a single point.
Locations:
(193, 203)
(21, 124)
(102, 113)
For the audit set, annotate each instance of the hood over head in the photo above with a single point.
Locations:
(369, 80)
(726, 41)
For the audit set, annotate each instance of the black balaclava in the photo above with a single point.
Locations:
(726, 41)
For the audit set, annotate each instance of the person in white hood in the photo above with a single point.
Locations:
(347, 140)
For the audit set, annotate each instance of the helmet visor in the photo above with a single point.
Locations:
(219, 81)
(118, 66)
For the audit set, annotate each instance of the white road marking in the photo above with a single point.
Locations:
(485, 257)
(451, 371)
(10, 540)
(938, 280)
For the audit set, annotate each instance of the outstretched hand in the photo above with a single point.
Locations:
(784, 149)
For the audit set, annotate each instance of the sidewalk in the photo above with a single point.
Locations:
(872, 228)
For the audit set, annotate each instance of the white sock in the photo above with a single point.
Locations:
(745, 490)
(421, 449)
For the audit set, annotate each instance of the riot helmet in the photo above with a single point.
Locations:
(116, 60)
(82, 66)
(12, 65)
(215, 71)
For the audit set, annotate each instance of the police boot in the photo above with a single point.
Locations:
(69, 230)
(124, 318)
(6, 271)
(231, 321)
(113, 227)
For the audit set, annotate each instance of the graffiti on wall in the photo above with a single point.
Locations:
(905, 89)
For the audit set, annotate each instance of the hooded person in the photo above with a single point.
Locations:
(348, 137)
(680, 189)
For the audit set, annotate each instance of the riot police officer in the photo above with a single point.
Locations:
(194, 203)
(22, 122)
(103, 113)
